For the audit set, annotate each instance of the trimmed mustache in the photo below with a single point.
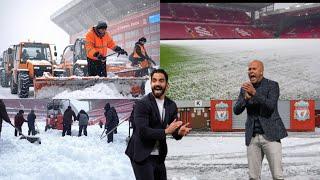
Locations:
(158, 88)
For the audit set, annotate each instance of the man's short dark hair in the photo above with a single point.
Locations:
(160, 71)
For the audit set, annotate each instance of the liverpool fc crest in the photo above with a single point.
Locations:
(301, 110)
(221, 113)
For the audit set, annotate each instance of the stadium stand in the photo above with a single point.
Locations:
(303, 29)
(225, 21)
(201, 22)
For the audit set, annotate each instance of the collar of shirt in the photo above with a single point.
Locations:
(160, 104)
(256, 85)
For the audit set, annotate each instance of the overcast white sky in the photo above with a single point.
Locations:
(23, 20)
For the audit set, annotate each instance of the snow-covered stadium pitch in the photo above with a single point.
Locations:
(199, 156)
(205, 69)
(217, 156)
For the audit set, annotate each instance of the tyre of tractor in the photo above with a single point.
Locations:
(23, 85)
(3, 78)
(13, 86)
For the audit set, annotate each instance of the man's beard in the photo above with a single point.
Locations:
(155, 90)
(98, 33)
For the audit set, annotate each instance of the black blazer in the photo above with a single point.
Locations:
(3, 114)
(148, 128)
(263, 105)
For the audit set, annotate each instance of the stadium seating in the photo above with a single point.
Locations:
(302, 29)
(178, 30)
(165, 11)
(203, 14)
(14, 105)
(123, 108)
(202, 22)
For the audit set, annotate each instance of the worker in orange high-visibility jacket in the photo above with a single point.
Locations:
(98, 40)
(139, 56)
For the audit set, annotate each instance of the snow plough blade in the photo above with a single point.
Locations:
(48, 87)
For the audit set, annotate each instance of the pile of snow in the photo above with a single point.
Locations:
(98, 91)
(217, 68)
(68, 157)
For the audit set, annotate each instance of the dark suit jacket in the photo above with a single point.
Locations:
(3, 114)
(148, 128)
(264, 106)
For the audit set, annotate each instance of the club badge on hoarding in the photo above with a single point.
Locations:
(198, 31)
(301, 110)
(221, 111)
(242, 32)
(202, 31)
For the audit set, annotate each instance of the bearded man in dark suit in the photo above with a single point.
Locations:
(155, 116)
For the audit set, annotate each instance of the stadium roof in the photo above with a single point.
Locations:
(81, 14)
(297, 9)
(244, 6)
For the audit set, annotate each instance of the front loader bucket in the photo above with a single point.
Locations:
(48, 87)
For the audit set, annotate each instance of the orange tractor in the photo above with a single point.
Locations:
(30, 61)
(55, 110)
(33, 66)
(6, 67)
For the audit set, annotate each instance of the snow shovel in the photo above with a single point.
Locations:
(111, 131)
(113, 54)
(31, 139)
(105, 58)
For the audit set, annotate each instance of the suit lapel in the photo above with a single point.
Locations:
(166, 114)
(155, 106)
(264, 87)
